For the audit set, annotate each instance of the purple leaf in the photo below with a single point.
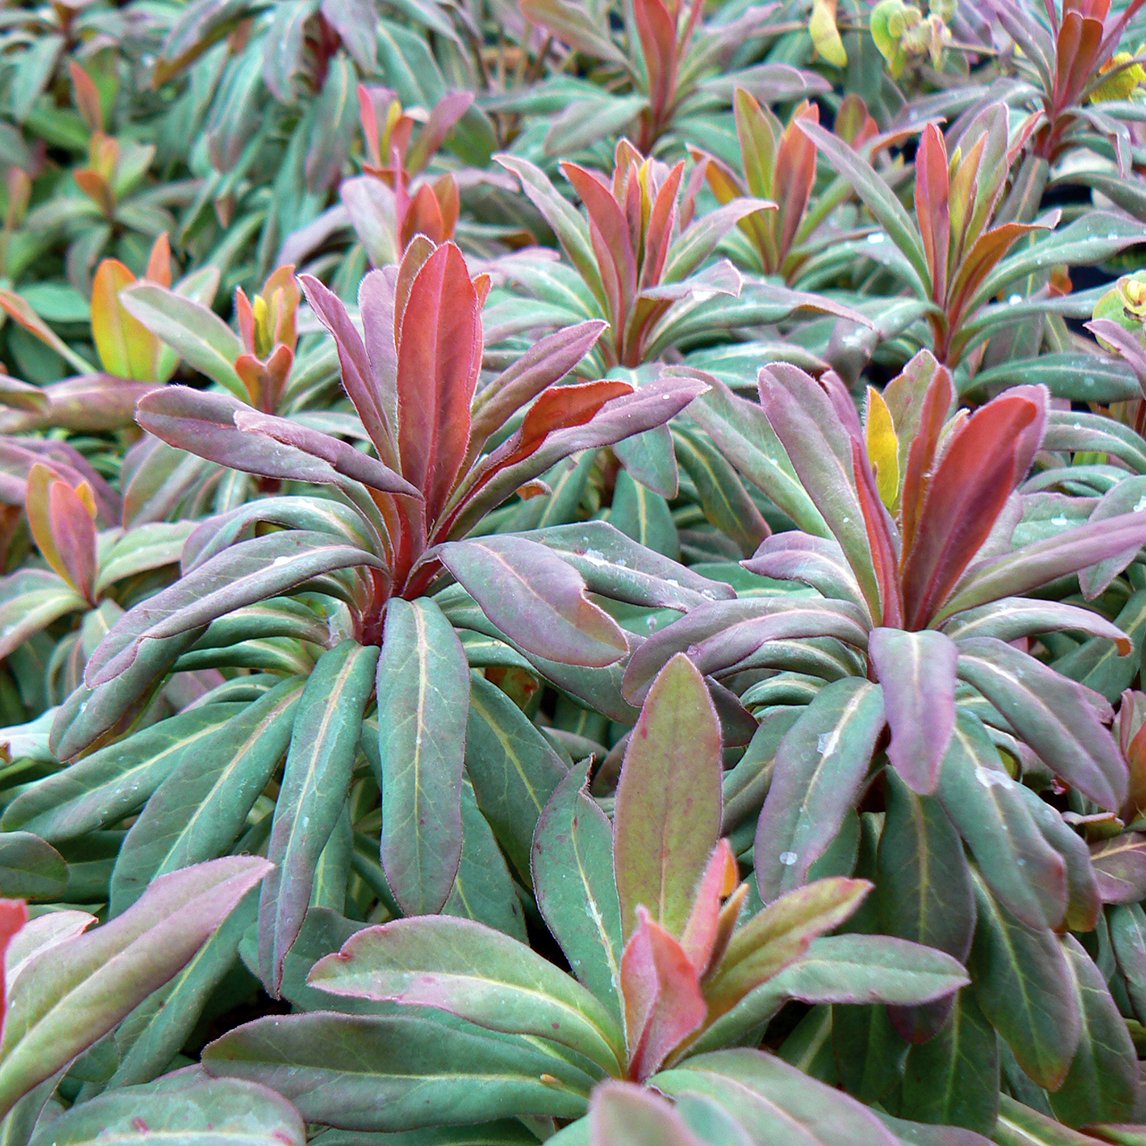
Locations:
(917, 674)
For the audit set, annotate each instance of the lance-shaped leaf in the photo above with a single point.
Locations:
(773, 1101)
(188, 1108)
(1102, 1081)
(125, 346)
(1024, 985)
(439, 341)
(662, 994)
(61, 519)
(575, 887)
(623, 570)
(1062, 721)
(195, 332)
(821, 451)
(544, 363)
(423, 697)
(859, 969)
(477, 974)
(209, 425)
(667, 817)
(723, 633)
(989, 811)
(242, 575)
(742, 432)
(399, 1072)
(991, 453)
(31, 868)
(535, 598)
(13, 916)
(1015, 617)
(316, 779)
(513, 768)
(364, 375)
(201, 808)
(30, 601)
(1041, 562)
(819, 770)
(877, 196)
(779, 935)
(815, 561)
(67, 997)
(917, 674)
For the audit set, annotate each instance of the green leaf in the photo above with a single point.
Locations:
(423, 703)
(188, 1109)
(820, 767)
(954, 1077)
(114, 782)
(625, 1112)
(775, 1102)
(1103, 1078)
(201, 809)
(667, 817)
(69, 995)
(399, 1072)
(477, 974)
(30, 868)
(315, 783)
(1024, 984)
(989, 811)
(196, 333)
(483, 888)
(742, 433)
(877, 196)
(513, 768)
(575, 886)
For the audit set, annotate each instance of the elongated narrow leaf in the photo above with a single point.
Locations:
(477, 974)
(1059, 719)
(315, 784)
(954, 1077)
(779, 935)
(200, 338)
(860, 969)
(30, 868)
(199, 811)
(193, 1110)
(1024, 985)
(423, 697)
(917, 674)
(667, 817)
(877, 196)
(663, 1001)
(61, 1003)
(536, 599)
(1102, 1081)
(820, 767)
(742, 432)
(398, 1072)
(241, 575)
(775, 1102)
(988, 810)
(513, 768)
(102, 788)
(575, 886)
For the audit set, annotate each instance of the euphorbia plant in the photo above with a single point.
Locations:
(913, 626)
(651, 917)
(956, 255)
(352, 581)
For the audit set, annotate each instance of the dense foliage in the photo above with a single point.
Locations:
(573, 571)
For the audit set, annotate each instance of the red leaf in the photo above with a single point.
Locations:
(704, 939)
(656, 26)
(880, 537)
(921, 457)
(932, 190)
(978, 473)
(13, 916)
(795, 176)
(663, 1000)
(439, 357)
